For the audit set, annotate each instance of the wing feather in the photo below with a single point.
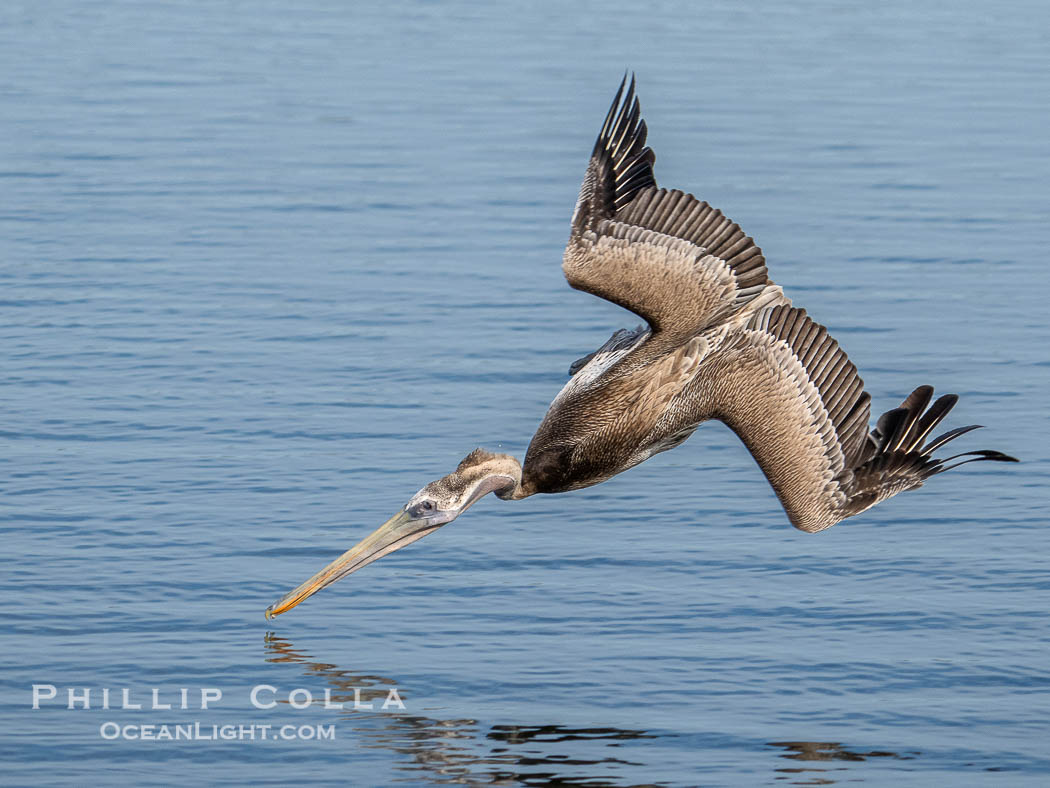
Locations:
(789, 391)
(670, 258)
(784, 385)
(723, 343)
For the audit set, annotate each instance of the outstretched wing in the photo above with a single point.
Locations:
(789, 391)
(666, 256)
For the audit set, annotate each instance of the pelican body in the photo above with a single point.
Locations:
(720, 341)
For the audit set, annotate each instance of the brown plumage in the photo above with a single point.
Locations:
(723, 342)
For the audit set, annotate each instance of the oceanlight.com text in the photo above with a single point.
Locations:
(197, 731)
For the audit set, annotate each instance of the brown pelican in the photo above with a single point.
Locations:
(722, 342)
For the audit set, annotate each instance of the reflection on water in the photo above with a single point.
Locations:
(825, 751)
(832, 751)
(348, 686)
(447, 751)
(461, 750)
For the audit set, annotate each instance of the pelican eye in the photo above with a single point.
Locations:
(422, 509)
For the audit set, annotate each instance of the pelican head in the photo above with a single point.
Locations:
(437, 504)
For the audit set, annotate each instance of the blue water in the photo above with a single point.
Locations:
(268, 268)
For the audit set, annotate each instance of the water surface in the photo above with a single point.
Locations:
(266, 271)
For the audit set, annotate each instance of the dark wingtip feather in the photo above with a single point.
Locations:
(984, 454)
(918, 399)
(625, 164)
(931, 418)
(888, 425)
(981, 455)
(916, 404)
(944, 438)
(893, 460)
(603, 135)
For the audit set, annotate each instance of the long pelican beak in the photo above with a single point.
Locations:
(395, 533)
